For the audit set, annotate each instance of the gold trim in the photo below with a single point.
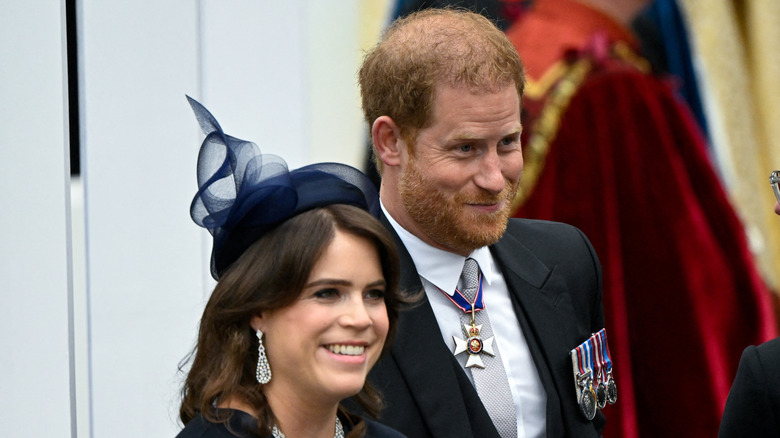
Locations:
(537, 89)
(625, 53)
(545, 128)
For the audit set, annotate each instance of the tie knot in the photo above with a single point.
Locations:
(470, 278)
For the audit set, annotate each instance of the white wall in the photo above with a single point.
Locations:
(35, 323)
(144, 256)
(283, 75)
(96, 320)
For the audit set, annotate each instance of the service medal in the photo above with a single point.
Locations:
(599, 370)
(611, 390)
(601, 395)
(607, 363)
(588, 404)
(587, 400)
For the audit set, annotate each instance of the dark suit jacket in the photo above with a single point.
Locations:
(753, 406)
(554, 279)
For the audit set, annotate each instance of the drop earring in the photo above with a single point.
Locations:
(263, 372)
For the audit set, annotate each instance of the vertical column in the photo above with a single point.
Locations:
(144, 254)
(35, 273)
(254, 74)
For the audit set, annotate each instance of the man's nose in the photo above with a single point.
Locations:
(490, 176)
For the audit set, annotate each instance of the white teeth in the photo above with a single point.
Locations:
(348, 350)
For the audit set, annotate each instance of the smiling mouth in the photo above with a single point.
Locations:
(488, 207)
(347, 350)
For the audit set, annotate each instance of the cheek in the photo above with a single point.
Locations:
(513, 166)
(380, 321)
(293, 327)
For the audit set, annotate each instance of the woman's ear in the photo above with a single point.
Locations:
(256, 322)
(387, 140)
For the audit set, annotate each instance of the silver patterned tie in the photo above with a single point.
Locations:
(491, 382)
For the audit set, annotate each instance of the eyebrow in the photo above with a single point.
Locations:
(338, 282)
(465, 136)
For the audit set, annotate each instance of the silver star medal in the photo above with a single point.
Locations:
(473, 344)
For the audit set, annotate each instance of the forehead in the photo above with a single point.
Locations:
(460, 105)
(345, 245)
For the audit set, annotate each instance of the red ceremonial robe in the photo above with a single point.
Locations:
(610, 149)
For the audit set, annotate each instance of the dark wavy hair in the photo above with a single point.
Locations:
(269, 275)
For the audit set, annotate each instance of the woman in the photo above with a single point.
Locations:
(306, 300)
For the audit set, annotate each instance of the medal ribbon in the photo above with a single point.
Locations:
(598, 369)
(462, 303)
(589, 357)
(580, 360)
(584, 358)
(605, 350)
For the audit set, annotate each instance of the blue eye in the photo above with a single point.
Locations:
(509, 141)
(465, 148)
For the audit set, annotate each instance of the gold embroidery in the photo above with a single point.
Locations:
(624, 52)
(537, 89)
(545, 128)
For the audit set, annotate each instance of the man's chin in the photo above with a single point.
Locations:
(486, 235)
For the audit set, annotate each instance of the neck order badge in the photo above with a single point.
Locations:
(473, 344)
(490, 379)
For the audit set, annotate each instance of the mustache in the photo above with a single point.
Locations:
(485, 197)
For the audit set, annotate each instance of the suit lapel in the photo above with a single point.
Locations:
(535, 291)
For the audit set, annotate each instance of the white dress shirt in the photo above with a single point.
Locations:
(440, 271)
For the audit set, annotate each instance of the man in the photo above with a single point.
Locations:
(753, 406)
(441, 93)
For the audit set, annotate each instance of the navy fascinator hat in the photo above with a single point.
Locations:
(243, 193)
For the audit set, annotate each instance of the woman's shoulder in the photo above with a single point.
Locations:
(235, 427)
(378, 430)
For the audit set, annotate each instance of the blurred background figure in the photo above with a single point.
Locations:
(611, 148)
(626, 140)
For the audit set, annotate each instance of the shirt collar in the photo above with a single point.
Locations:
(440, 267)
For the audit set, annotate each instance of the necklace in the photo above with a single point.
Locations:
(339, 431)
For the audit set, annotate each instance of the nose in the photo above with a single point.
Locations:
(490, 176)
(356, 314)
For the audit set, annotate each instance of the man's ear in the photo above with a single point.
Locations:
(387, 141)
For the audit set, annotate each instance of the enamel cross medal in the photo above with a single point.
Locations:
(473, 344)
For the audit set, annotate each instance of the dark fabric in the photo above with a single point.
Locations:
(238, 425)
(492, 9)
(240, 421)
(243, 193)
(554, 279)
(628, 166)
(662, 31)
(753, 407)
